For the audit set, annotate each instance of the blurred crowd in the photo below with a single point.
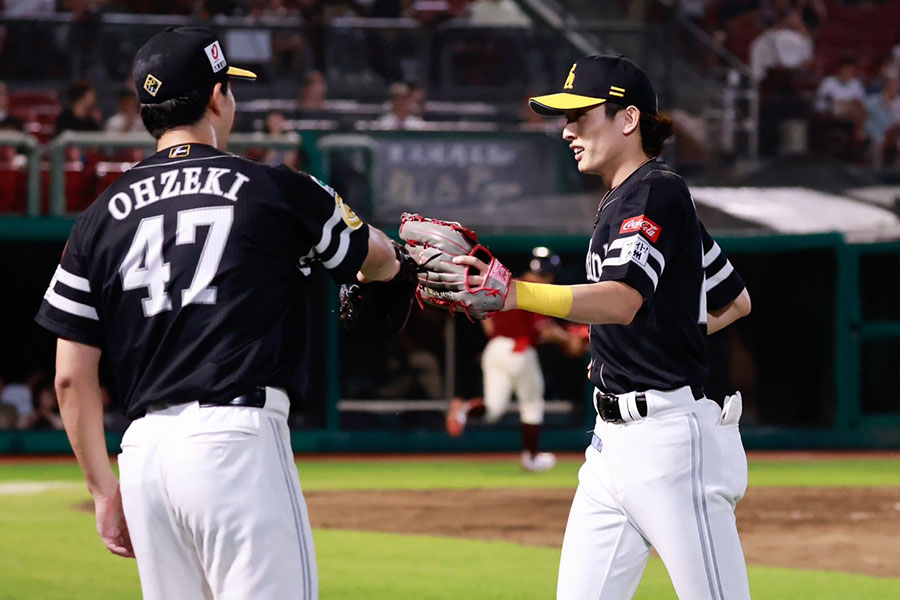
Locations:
(482, 11)
(827, 72)
(32, 404)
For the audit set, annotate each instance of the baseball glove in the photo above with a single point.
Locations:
(434, 243)
(390, 299)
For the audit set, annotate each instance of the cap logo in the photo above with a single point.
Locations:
(152, 84)
(216, 56)
(570, 80)
(616, 91)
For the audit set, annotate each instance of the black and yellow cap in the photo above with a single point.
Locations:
(594, 80)
(178, 60)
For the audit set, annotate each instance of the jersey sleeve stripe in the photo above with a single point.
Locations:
(70, 306)
(654, 253)
(710, 256)
(719, 277)
(335, 218)
(621, 260)
(341, 253)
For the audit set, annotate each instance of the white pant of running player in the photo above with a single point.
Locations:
(669, 481)
(506, 371)
(213, 503)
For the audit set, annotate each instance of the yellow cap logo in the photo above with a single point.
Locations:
(151, 84)
(570, 80)
(616, 91)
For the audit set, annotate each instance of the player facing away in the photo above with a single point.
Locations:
(191, 274)
(510, 364)
(665, 466)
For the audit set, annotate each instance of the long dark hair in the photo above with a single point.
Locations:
(656, 128)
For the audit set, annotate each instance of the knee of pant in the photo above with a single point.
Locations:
(492, 416)
(531, 413)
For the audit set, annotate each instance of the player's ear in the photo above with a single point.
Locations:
(632, 119)
(216, 99)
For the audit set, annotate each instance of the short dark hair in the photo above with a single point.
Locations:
(182, 111)
(656, 128)
(78, 89)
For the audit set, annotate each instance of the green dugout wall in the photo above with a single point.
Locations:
(821, 350)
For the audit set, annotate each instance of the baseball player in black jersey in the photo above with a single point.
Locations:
(665, 466)
(191, 274)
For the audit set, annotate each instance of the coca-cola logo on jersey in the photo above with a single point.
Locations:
(641, 223)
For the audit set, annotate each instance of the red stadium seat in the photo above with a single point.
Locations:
(108, 172)
(13, 189)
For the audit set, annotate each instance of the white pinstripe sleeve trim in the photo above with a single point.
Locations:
(322, 246)
(73, 281)
(64, 304)
(620, 242)
(712, 255)
(647, 268)
(343, 246)
(719, 277)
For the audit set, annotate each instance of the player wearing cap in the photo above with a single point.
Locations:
(190, 274)
(510, 364)
(665, 466)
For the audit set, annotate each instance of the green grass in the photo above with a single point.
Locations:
(50, 551)
(504, 473)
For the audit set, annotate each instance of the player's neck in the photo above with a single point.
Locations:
(628, 165)
(200, 133)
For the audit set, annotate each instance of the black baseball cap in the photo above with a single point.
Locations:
(178, 60)
(594, 80)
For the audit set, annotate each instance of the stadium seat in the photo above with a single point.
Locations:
(13, 189)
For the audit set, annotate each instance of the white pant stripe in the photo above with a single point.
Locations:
(298, 522)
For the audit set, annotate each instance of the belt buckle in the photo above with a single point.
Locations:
(607, 406)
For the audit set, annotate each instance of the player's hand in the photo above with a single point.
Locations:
(111, 523)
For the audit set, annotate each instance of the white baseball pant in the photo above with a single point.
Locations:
(505, 371)
(213, 503)
(669, 481)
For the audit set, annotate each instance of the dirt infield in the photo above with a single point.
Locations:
(841, 529)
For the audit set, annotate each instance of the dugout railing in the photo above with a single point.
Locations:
(852, 387)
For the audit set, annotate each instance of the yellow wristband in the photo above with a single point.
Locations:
(544, 298)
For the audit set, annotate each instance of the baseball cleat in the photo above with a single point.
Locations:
(542, 461)
(459, 412)
(456, 417)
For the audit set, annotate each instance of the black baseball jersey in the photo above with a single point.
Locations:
(191, 272)
(648, 236)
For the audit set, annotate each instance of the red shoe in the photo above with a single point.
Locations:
(456, 417)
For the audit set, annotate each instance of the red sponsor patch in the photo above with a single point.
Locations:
(641, 223)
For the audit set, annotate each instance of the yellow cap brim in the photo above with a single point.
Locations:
(555, 105)
(241, 73)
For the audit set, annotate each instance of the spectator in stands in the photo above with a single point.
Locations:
(19, 395)
(128, 115)
(842, 94)
(785, 44)
(401, 115)
(883, 121)
(46, 409)
(502, 13)
(889, 68)
(277, 127)
(83, 113)
(312, 96)
(417, 99)
(8, 413)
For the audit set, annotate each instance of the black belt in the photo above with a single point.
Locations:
(607, 405)
(254, 399)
